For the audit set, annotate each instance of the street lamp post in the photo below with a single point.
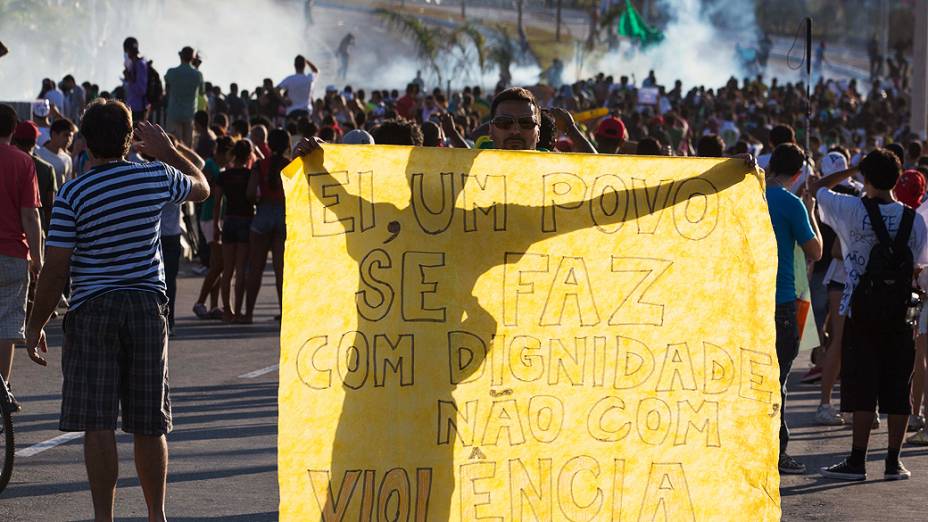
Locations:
(919, 112)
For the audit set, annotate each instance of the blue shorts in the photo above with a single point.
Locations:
(270, 219)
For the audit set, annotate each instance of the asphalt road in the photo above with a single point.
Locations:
(223, 448)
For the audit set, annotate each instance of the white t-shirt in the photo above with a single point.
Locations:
(848, 217)
(56, 98)
(299, 88)
(60, 161)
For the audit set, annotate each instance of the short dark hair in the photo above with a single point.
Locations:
(430, 134)
(786, 159)
(107, 128)
(8, 120)
(710, 146)
(915, 149)
(187, 54)
(62, 125)
(241, 126)
(881, 168)
(513, 94)
(547, 131)
(241, 151)
(649, 147)
(201, 118)
(395, 132)
(299, 62)
(130, 43)
(278, 140)
(897, 149)
(782, 134)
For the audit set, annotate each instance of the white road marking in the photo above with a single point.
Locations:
(49, 444)
(258, 373)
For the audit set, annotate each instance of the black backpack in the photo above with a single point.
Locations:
(154, 91)
(884, 293)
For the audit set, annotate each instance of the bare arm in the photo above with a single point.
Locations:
(813, 247)
(156, 144)
(566, 124)
(831, 181)
(52, 279)
(32, 225)
(312, 67)
(191, 156)
(451, 131)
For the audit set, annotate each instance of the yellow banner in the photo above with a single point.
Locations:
(517, 336)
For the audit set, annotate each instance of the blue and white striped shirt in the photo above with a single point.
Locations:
(110, 217)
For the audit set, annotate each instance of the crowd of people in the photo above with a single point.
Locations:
(95, 193)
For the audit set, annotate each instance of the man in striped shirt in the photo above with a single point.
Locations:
(105, 228)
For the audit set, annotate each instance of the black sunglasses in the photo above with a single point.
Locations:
(506, 122)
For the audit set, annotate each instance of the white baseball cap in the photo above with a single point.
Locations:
(832, 162)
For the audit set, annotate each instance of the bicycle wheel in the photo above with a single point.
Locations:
(8, 450)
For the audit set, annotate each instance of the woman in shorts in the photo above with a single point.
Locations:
(222, 155)
(231, 191)
(268, 228)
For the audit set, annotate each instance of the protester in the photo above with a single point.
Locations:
(135, 80)
(55, 150)
(75, 98)
(183, 84)
(610, 135)
(20, 239)
(24, 138)
(268, 228)
(121, 309)
(231, 191)
(210, 231)
(794, 224)
(878, 353)
(298, 87)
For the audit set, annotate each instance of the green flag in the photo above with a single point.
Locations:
(633, 26)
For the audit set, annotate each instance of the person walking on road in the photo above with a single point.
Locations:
(20, 238)
(114, 355)
(184, 84)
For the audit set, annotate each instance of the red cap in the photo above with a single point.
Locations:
(910, 187)
(564, 145)
(612, 128)
(26, 131)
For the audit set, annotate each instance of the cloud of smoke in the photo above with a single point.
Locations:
(698, 46)
(248, 41)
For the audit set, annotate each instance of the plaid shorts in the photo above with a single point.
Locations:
(116, 353)
(14, 280)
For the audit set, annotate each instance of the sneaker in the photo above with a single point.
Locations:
(199, 270)
(790, 466)
(812, 376)
(916, 423)
(896, 471)
(828, 415)
(215, 313)
(844, 471)
(200, 310)
(919, 439)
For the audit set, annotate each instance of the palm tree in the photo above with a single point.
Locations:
(426, 40)
(557, 30)
(522, 38)
(502, 52)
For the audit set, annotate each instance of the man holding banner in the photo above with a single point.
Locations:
(502, 335)
(793, 223)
